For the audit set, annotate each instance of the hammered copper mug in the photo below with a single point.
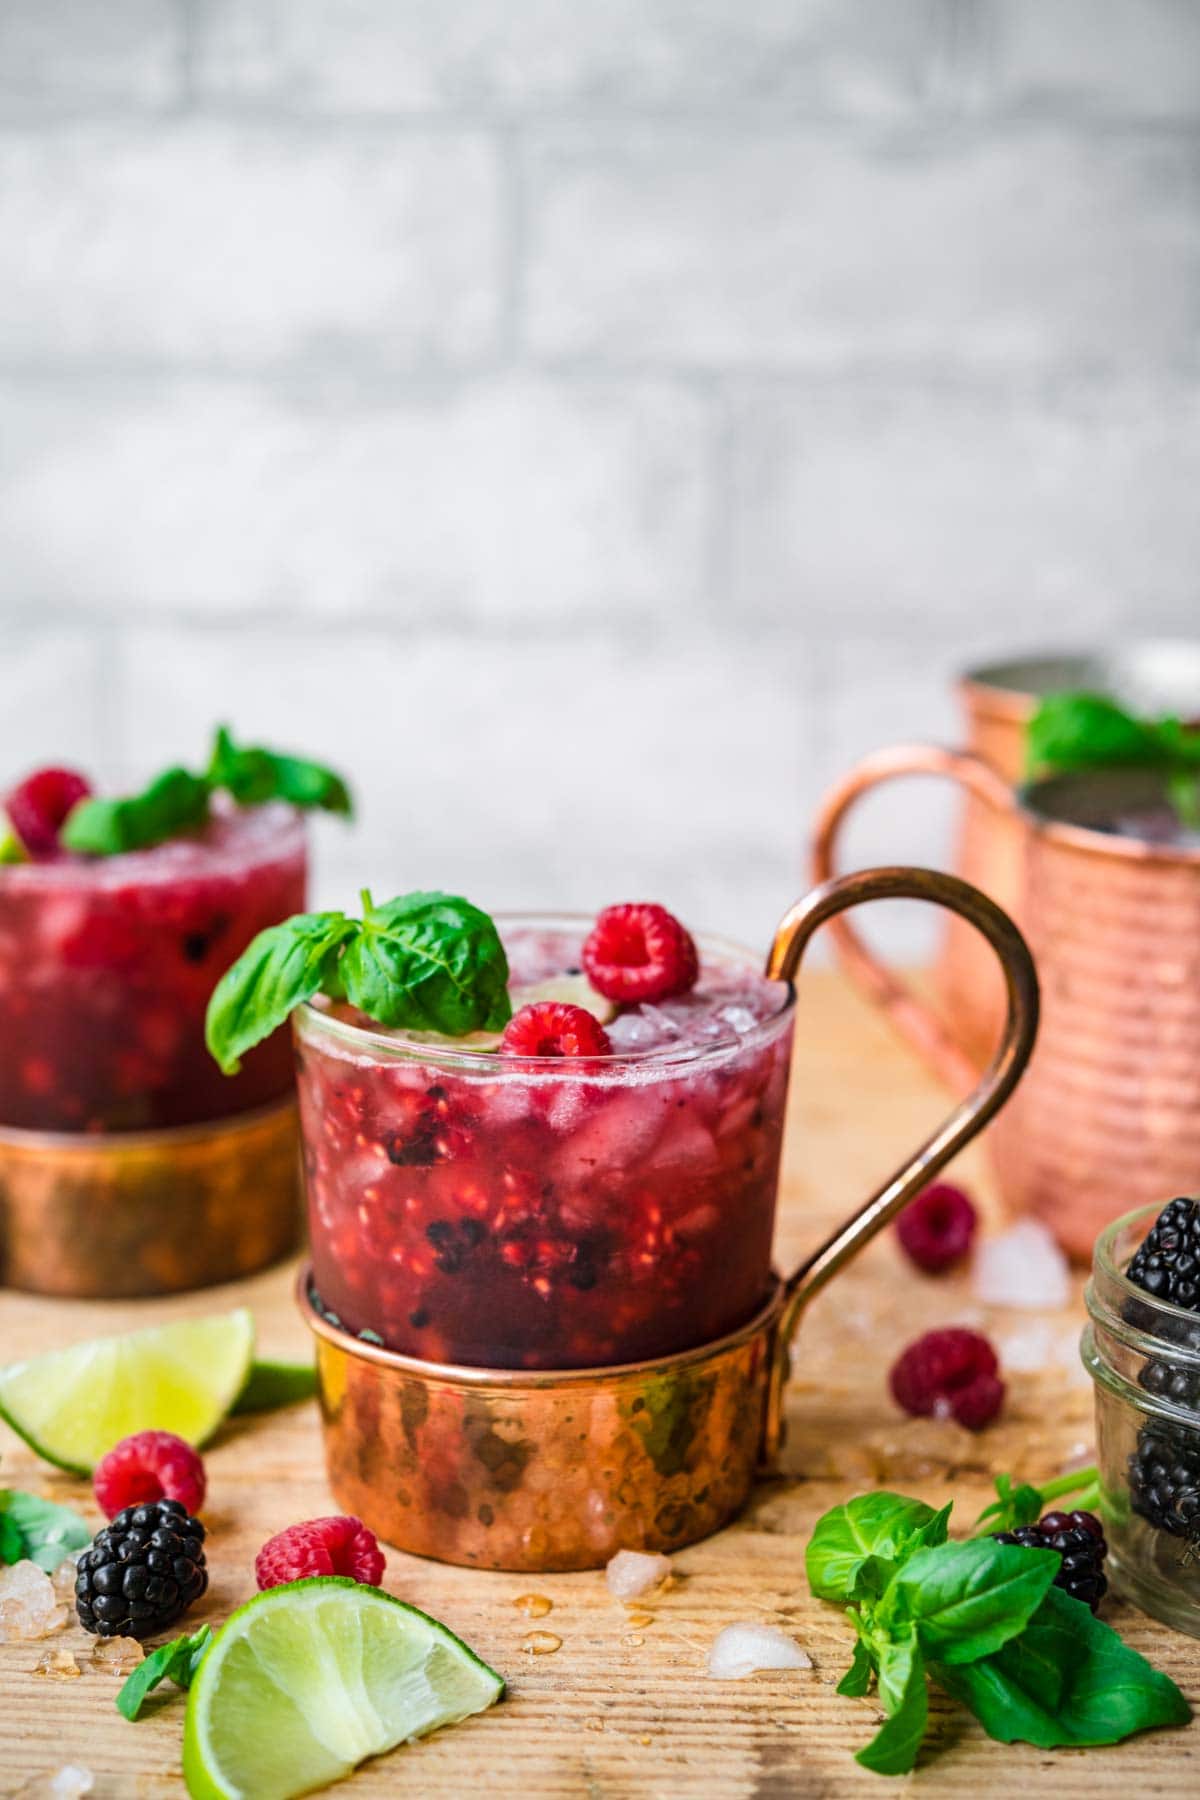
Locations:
(554, 1469)
(1108, 1116)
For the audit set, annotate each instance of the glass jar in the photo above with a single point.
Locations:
(1144, 1356)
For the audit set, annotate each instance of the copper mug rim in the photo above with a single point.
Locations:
(160, 1137)
(1008, 688)
(478, 1375)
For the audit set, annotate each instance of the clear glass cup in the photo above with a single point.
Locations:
(1144, 1356)
(107, 964)
(469, 1208)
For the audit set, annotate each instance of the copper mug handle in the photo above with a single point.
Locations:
(988, 1092)
(911, 1017)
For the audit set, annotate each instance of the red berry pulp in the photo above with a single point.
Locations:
(471, 1209)
(950, 1374)
(150, 1465)
(107, 964)
(336, 1546)
(936, 1228)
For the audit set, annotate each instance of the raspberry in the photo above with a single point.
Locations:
(552, 1028)
(38, 808)
(949, 1374)
(639, 952)
(151, 1465)
(935, 1229)
(337, 1546)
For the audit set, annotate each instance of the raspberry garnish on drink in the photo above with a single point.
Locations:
(552, 1144)
(117, 915)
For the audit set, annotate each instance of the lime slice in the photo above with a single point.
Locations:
(567, 990)
(305, 1681)
(73, 1405)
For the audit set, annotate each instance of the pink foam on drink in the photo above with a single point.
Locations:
(467, 1209)
(107, 964)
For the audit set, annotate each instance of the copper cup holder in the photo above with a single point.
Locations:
(129, 1214)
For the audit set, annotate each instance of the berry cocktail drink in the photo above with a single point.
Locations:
(107, 963)
(595, 1185)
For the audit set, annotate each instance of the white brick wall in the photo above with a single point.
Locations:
(592, 425)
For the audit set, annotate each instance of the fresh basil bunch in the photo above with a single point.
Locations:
(177, 800)
(1089, 731)
(985, 1621)
(428, 962)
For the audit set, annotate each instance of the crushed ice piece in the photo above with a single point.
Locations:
(1024, 1267)
(29, 1607)
(117, 1656)
(739, 1018)
(57, 1663)
(70, 1782)
(631, 1573)
(741, 1649)
(63, 1578)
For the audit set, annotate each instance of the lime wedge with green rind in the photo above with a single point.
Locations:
(73, 1405)
(306, 1681)
(271, 1384)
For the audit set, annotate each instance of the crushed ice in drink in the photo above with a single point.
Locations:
(631, 1573)
(1024, 1267)
(29, 1607)
(741, 1650)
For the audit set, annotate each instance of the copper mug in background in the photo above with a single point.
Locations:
(1108, 1116)
(998, 699)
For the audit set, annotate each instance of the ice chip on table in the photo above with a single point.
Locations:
(740, 1650)
(631, 1573)
(1023, 1267)
(29, 1606)
(70, 1782)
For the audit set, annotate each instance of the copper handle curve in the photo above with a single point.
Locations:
(910, 1016)
(990, 1091)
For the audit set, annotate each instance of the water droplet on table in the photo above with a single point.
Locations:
(638, 1621)
(541, 1643)
(58, 1664)
(117, 1655)
(534, 1606)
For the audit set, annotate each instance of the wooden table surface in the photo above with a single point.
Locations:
(617, 1712)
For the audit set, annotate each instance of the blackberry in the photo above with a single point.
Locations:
(1167, 1262)
(1164, 1480)
(141, 1572)
(1079, 1539)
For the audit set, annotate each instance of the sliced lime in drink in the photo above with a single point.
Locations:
(566, 990)
(305, 1681)
(73, 1405)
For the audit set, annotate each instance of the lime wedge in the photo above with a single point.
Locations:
(72, 1405)
(567, 990)
(305, 1681)
(272, 1384)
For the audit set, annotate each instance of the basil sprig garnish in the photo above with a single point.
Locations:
(1071, 732)
(424, 962)
(177, 801)
(985, 1622)
(38, 1530)
(177, 1661)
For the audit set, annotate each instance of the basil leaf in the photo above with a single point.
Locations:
(272, 1384)
(966, 1600)
(282, 967)
(173, 802)
(855, 1547)
(905, 1698)
(39, 1531)
(253, 775)
(177, 1661)
(432, 962)
(1089, 731)
(1067, 1679)
(1017, 1506)
(857, 1679)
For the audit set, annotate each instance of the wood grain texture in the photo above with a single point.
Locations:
(620, 1712)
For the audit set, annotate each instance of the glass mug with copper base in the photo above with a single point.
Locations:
(577, 1342)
